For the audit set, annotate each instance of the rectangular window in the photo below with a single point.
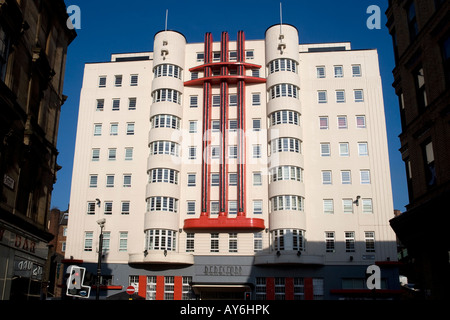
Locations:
(127, 180)
(190, 207)
(114, 129)
(91, 207)
(232, 242)
(257, 241)
(88, 240)
(367, 206)
(256, 124)
(256, 99)
(340, 96)
(192, 153)
(192, 126)
(328, 206)
(320, 72)
(343, 149)
(363, 149)
(93, 179)
(130, 128)
(232, 152)
(215, 179)
(168, 287)
(232, 179)
(365, 176)
(125, 207)
(110, 181)
(112, 154)
(232, 207)
(356, 70)
(322, 96)
(97, 129)
(342, 122)
(349, 241)
(257, 179)
(360, 122)
(95, 154)
(214, 207)
(232, 100)
(347, 205)
(256, 151)
(191, 179)
(257, 206)
(134, 80)
(215, 125)
(190, 242)
(128, 153)
(123, 241)
(100, 104)
(216, 100)
(193, 101)
(329, 241)
(102, 81)
(108, 207)
(232, 125)
(131, 103)
(280, 286)
(323, 123)
(346, 177)
(116, 104)
(325, 150)
(118, 80)
(428, 158)
(359, 95)
(338, 72)
(214, 242)
(412, 21)
(326, 177)
(260, 288)
(369, 237)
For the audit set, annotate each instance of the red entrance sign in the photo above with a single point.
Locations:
(130, 290)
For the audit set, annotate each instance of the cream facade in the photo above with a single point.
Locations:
(261, 164)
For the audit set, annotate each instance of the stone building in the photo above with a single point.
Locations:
(33, 45)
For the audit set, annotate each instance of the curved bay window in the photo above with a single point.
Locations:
(162, 204)
(167, 70)
(283, 64)
(285, 145)
(288, 239)
(286, 202)
(165, 121)
(169, 95)
(160, 239)
(284, 117)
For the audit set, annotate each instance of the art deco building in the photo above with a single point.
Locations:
(420, 32)
(234, 166)
(33, 47)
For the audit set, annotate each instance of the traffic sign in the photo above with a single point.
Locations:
(130, 290)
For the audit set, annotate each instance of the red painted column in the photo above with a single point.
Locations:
(308, 289)
(159, 287)
(289, 289)
(270, 288)
(206, 167)
(178, 288)
(142, 290)
(241, 126)
(223, 167)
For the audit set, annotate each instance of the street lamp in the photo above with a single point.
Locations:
(101, 223)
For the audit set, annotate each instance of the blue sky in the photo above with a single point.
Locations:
(129, 26)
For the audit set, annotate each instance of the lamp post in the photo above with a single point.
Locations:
(101, 223)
